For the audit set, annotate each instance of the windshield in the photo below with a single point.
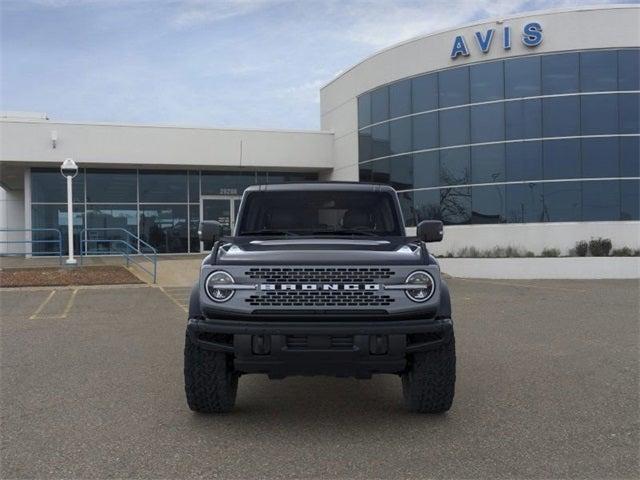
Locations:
(354, 213)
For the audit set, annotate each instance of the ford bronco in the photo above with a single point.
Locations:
(320, 279)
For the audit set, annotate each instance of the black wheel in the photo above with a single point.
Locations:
(210, 381)
(428, 385)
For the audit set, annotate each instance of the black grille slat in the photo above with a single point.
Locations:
(336, 298)
(319, 274)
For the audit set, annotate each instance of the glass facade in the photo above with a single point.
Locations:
(162, 207)
(544, 138)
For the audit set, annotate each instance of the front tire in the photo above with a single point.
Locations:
(428, 385)
(210, 381)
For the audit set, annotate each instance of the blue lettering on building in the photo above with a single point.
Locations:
(531, 37)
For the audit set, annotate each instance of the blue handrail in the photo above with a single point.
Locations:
(32, 241)
(128, 252)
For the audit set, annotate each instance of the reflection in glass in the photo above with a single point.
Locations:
(114, 218)
(599, 71)
(365, 172)
(165, 227)
(600, 200)
(380, 140)
(524, 203)
(401, 172)
(523, 161)
(194, 222)
(380, 105)
(600, 157)
(455, 166)
(426, 169)
(54, 216)
(424, 92)
(599, 114)
(561, 116)
(561, 202)
(400, 135)
(629, 113)
(561, 159)
(454, 87)
(629, 157)
(560, 73)
(406, 205)
(454, 127)
(455, 205)
(364, 110)
(112, 186)
(523, 119)
(487, 81)
(487, 164)
(163, 186)
(365, 145)
(630, 200)
(381, 170)
(488, 204)
(487, 123)
(522, 77)
(400, 98)
(425, 131)
(629, 69)
(49, 186)
(194, 186)
(426, 204)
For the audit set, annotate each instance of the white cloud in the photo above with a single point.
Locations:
(199, 12)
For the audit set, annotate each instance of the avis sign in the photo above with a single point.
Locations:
(531, 36)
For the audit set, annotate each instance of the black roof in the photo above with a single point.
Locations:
(320, 186)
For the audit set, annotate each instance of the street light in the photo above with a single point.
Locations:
(69, 169)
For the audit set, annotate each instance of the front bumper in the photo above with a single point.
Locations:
(346, 348)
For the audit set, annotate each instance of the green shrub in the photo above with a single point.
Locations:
(600, 247)
(625, 252)
(550, 252)
(581, 248)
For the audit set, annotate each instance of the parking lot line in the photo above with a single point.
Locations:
(174, 300)
(38, 313)
(42, 305)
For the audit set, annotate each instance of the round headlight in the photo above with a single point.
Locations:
(214, 286)
(425, 286)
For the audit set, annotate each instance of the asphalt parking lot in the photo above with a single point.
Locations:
(547, 388)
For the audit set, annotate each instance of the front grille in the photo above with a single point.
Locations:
(319, 274)
(335, 298)
(302, 342)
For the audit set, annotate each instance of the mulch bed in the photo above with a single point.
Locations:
(55, 276)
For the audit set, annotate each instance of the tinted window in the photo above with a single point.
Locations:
(455, 205)
(427, 205)
(425, 131)
(524, 203)
(455, 166)
(118, 186)
(630, 157)
(487, 81)
(600, 157)
(406, 206)
(400, 135)
(599, 71)
(454, 87)
(380, 140)
(194, 221)
(54, 216)
(522, 77)
(163, 186)
(629, 70)
(364, 110)
(487, 164)
(488, 204)
(562, 201)
(114, 218)
(561, 116)
(560, 73)
(194, 186)
(48, 185)
(599, 114)
(365, 145)
(629, 113)
(561, 159)
(454, 127)
(426, 169)
(630, 200)
(523, 119)
(165, 227)
(400, 98)
(231, 183)
(401, 172)
(365, 172)
(380, 105)
(381, 170)
(600, 200)
(487, 123)
(523, 161)
(424, 90)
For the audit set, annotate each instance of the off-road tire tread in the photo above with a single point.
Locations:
(428, 386)
(210, 381)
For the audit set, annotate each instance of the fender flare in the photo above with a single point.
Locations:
(444, 310)
(194, 302)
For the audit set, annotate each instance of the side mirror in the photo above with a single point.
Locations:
(430, 231)
(209, 233)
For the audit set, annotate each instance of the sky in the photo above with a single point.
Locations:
(218, 63)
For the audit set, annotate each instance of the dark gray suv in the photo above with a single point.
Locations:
(320, 279)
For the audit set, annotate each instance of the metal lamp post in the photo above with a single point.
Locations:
(69, 169)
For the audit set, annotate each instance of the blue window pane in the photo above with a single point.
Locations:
(599, 114)
(599, 71)
(165, 227)
(53, 216)
(487, 81)
(112, 186)
(600, 157)
(400, 135)
(364, 110)
(560, 73)
(630, 157)
(427, 205)
(194, 186)
(600, 200)
(487, 164)
(524, 203)
(562, 202)
(114, 218)
(400, 98)
(163, 186)
(487, 123)
(425, 131)
(380, 105)
(401, 172)
(523, 161)
(48, 185)
(629, 70)
(630, 200)
(455, 205)
(454, 127)
(380, 140)
(454, 87)
(523, 119)
(406, 205)
(455, 167)
(426, 169)
(488, 204)
(629, 113)
(561, 116)
(561, 159)
(381, 171)
(424, 91)
(365, 145)
(522, 77)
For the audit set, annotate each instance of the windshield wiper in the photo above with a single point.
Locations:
(267, 231)
(346, 231)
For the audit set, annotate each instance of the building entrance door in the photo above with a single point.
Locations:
(220, 208)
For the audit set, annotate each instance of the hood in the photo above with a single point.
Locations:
(319, 251)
